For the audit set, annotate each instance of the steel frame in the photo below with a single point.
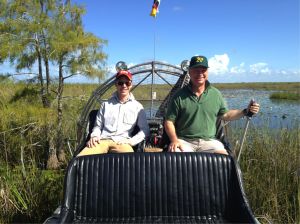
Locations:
(150, 67)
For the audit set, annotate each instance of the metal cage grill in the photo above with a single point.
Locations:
(154, 83)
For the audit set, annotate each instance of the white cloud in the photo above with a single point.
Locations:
(255, 68)
(131, 64)
(265, 71)
(177, 8)
(259, 65)
(290, 72)
(166, 62)
(112, 69)
(237, 70)
(218, 64)
(220, 72)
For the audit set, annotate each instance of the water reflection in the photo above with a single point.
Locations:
(147, 106)
(274, 113)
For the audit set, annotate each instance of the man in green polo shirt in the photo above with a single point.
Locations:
(194, 109)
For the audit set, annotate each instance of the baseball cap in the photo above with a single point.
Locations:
(198, 61)
(124, 72)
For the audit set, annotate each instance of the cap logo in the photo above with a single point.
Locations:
(199, 59)
(123, 72)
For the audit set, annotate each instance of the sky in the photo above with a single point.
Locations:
(244, 40)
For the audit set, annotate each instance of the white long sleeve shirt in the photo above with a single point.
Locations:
(116, 120)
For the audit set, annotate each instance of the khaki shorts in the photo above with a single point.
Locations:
(106, 146)
(201, 145)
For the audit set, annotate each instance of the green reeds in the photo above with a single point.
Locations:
(286, 95)
(28, 193)
(32, 199)
(270, 161)
(271, 169)
(279, 86)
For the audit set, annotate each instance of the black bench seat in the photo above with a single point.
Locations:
(155, 188)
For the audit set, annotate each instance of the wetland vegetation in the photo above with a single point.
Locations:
(29, 193)
(278, 86)
(285, 95)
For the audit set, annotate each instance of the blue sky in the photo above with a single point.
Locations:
(244, 41)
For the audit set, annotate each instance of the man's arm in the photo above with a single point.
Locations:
(170, 129)
(142, 134)
(97, 130)
(233, 115)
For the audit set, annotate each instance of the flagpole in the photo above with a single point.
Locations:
(153, 68)
(154, 38)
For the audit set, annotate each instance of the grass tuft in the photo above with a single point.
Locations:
(286, 95)
(271, 169)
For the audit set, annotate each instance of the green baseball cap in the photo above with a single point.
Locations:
(198, 61)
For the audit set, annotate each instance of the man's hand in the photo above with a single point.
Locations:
(92, 142)
(174, 145)
(253, 108)
(124, 141)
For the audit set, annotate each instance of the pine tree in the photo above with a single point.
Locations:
(76, 52)
(44, 31)
(22, 27)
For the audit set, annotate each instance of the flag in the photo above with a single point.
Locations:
(155, 8)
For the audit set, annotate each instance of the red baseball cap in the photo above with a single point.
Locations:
(124, 72)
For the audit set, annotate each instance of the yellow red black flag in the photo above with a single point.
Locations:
(155, 8)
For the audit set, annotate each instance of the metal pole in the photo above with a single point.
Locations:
(244, 136)
(153, 64)
(153, 69)
(154, 39)
(250, 114)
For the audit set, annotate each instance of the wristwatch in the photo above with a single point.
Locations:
(245, 112)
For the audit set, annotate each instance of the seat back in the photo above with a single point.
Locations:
(220, 134)
(182, 81)
(89, 128)
(155, 187)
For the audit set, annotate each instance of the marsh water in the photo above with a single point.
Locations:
(274, 113)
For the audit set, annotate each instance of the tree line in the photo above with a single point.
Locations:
(43, 32)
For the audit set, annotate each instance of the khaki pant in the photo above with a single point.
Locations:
(201, 145)
(106, 146)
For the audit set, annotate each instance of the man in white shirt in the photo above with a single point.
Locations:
(116, 120)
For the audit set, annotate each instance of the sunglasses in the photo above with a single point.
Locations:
(121, 83)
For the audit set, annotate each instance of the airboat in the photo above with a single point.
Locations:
(152, 185)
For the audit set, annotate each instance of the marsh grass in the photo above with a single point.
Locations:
(286, 95)
(270, 160)
(31, 199)
(32, 194)
(279, 86)
(271, 169)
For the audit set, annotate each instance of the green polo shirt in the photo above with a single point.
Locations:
(196, 118)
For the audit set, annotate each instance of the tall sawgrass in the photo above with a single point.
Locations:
(270, 160)
(286, 95)
(28, 192)
(30, 199)
(279, 86)
(271, 169)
